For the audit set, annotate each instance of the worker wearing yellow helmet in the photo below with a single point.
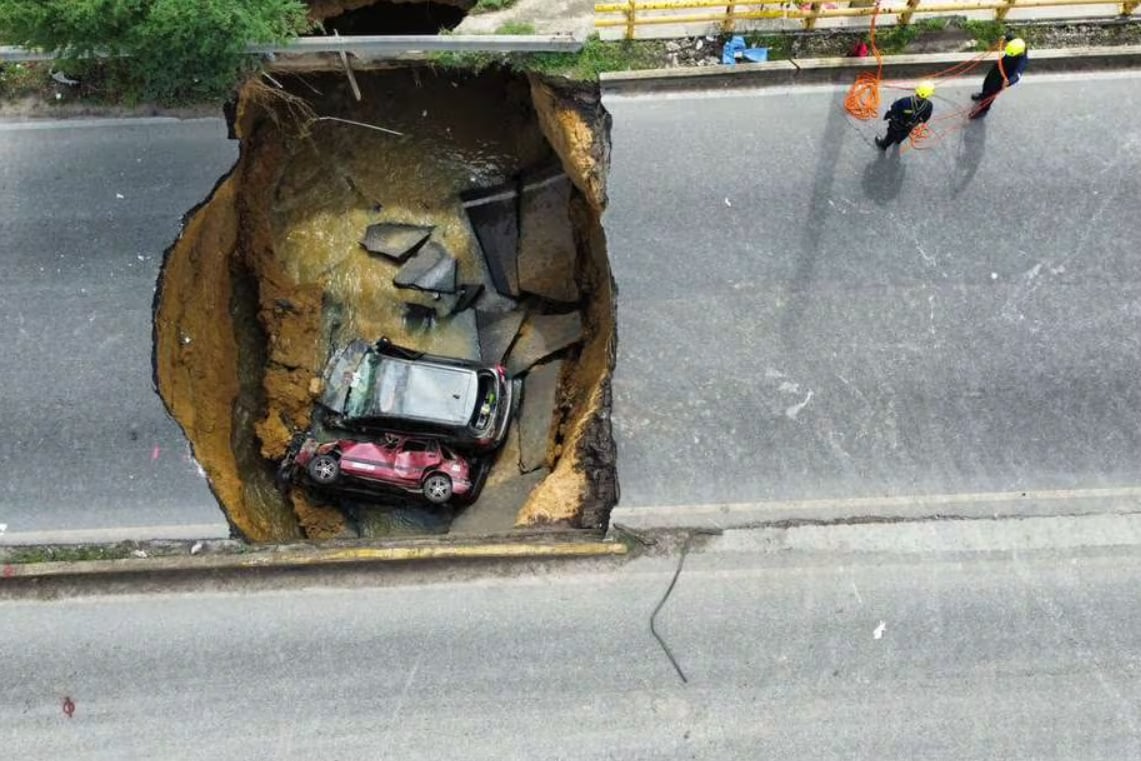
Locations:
(1005, 72)
(906, 114)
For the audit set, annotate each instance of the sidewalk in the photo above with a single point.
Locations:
(546, 16)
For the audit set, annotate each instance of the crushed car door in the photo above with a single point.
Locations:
(411, 459)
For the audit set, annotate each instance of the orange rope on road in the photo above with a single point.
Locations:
(863, 99)
(921, 134)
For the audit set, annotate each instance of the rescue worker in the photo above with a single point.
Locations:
(1003, 73)
(906, 114)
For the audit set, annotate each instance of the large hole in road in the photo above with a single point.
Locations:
(270, 276)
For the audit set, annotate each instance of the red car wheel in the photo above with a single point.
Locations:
(324, 469)
(437, 488)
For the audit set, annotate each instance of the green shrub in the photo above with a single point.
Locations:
(164, 50)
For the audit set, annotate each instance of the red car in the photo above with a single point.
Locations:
(424, 467)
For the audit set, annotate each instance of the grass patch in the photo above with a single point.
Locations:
(595, 57)
(490, 6)
(598, 56)
(895, 39)
(20, 79)
(985, 33)
(70, 553)
(779, 45)
(515, 27)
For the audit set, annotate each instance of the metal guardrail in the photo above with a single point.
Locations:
(633, 14)
(11, 53)
(379, 46)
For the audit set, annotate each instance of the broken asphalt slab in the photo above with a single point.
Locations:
(430, 269)
(418, 317)
(499, 504)
(496, 332)
(395, 240)
(494, 217)
(466, 296)
(541, 336)
(540, 391)
(547, 251)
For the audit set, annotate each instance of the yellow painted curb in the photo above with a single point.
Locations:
(444, 552)
(277, 558)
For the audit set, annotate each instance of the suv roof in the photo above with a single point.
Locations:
(389, 387)
(422, 389)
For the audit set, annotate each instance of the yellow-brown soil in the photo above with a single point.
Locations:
(582, 486)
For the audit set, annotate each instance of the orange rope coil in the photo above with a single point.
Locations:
(863, 99)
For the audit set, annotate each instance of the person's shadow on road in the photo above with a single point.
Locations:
(968, 155)
(883, 177)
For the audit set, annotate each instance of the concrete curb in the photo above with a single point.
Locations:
(917, 507)
(845, 70)
(308, 557)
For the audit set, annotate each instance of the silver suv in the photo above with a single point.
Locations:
(385, 387)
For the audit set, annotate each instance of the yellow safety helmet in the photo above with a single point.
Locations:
(1017, 46)
(925, 89)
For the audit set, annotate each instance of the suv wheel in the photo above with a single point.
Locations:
(324, 469)
(438, 488)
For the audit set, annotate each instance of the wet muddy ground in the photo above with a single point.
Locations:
(270, 275)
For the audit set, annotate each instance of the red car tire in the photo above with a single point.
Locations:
(437, 488)
(324, 469)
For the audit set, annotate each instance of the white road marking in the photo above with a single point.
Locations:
(121, 534)
(48, 124)
(912, 500)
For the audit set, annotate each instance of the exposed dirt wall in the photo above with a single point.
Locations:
(196, 352)
(578, 128)
(583, 487)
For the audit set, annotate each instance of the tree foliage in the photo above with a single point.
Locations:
(169, 50)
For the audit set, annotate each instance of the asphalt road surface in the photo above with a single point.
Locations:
(87, 209)
(961, 642)
(802, 318)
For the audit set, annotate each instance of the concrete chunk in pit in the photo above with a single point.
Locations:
(418, 317)
(431, 269)
(466, 296)
(541, 336)
(540, 391)
(395, 240)
(494, 217)
(546, 239)
(496, 332)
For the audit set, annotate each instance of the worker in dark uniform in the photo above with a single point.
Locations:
(906, 114)
(1004, 73)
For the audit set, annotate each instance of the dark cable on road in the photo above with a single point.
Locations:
(666, 596)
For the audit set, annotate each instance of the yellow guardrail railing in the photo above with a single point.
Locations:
(635, 13)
